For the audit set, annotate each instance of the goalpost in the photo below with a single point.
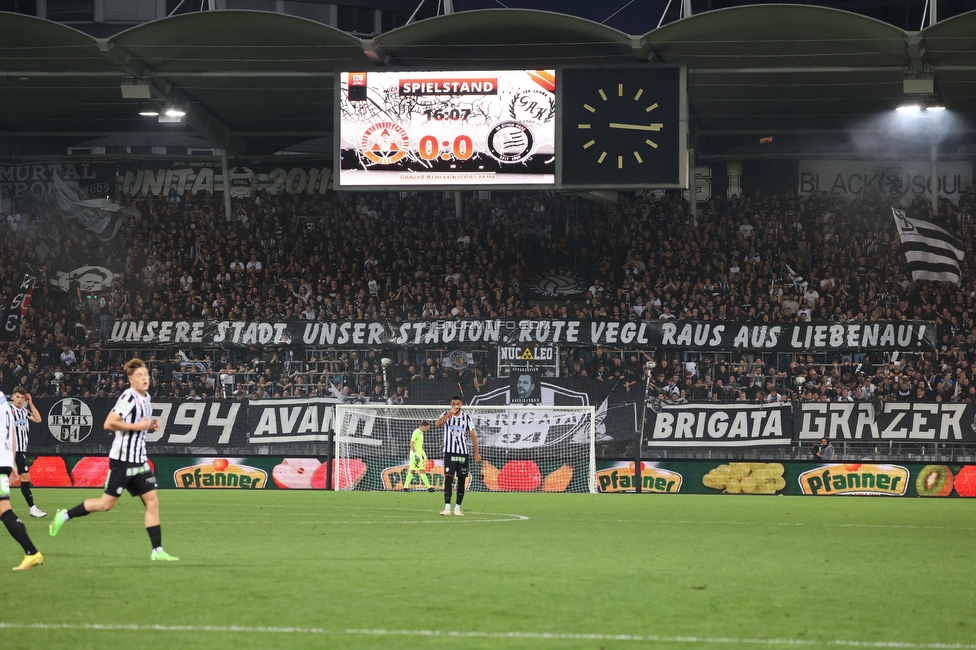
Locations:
(523, 448)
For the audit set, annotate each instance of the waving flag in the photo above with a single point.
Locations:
(932, 253)
(102, 216)
(798, 280)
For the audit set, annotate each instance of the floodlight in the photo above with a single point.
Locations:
(172, 115)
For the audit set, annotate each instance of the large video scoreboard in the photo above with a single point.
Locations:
(583, 128)
(489, 127)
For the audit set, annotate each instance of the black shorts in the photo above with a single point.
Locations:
(23, 462)
(456, 465)
(5, 483)
(137, 479)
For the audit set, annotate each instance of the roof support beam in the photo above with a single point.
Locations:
(198, 118)
(65, 73)
(916, 51)
(797, 69)
(642, 50)
(217, 74)
(372, 52)
(788, 131)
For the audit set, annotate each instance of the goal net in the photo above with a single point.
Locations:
(523, 448)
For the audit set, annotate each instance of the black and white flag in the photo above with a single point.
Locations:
(932, 253)
(101, 216)
(798, 280)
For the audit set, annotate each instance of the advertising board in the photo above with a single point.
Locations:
(800, 478)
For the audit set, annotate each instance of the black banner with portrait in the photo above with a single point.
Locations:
(525, 387)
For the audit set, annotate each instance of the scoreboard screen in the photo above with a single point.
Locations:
(473, 128)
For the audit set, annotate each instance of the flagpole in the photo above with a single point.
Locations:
(226, 173)
(639, 451)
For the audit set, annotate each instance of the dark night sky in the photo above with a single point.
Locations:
(638, 17)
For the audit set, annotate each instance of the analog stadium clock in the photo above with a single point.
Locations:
(621, 127)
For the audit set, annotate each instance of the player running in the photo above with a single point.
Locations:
(16, 527)
(458, 427)
(418, 458)
(24, 413)
(130, 419)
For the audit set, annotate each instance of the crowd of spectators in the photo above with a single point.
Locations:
(393, 256)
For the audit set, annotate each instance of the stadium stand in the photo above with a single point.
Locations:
(383, 255)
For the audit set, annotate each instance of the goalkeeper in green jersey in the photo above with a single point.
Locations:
(418, 459)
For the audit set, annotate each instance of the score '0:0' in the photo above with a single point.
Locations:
(430, 150)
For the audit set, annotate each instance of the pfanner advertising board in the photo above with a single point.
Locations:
(851, 478)
(474, 128)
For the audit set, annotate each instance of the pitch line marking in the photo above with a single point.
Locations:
(571, 636)
(761, 523)
(471, 517)
(475, 513)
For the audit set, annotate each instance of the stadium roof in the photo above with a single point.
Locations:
(257, 83)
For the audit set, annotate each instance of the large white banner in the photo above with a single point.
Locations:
(898, 182)
(485, 127)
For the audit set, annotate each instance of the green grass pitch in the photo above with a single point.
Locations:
(381, 570)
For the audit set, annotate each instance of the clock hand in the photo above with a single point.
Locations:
(637, 127)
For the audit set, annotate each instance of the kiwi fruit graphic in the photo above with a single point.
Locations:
(934, 481)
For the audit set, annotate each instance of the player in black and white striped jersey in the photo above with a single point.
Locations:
(458, 427)
(129, 469)
(8, 472)
(24, 413)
